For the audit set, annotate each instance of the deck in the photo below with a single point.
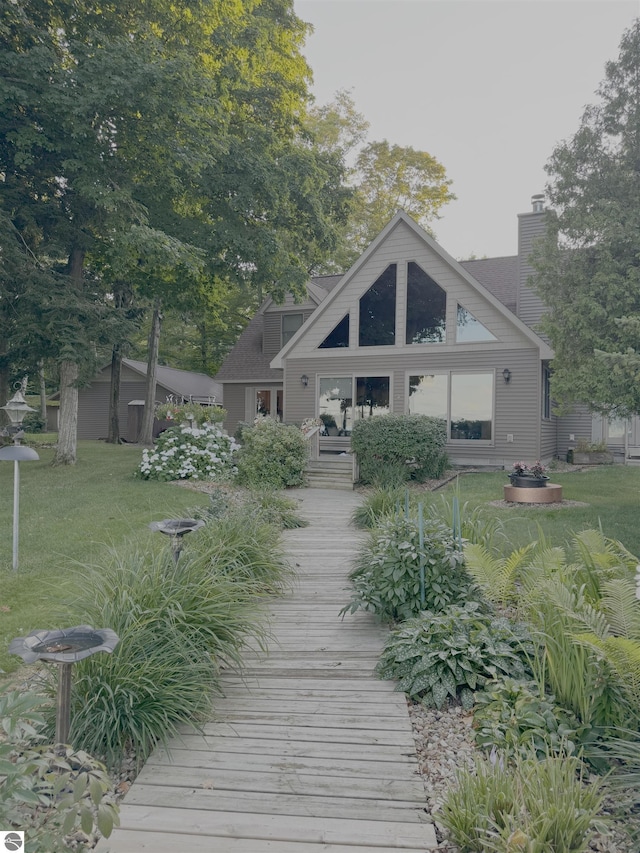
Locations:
(308, 750)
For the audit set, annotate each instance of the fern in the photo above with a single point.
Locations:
(494, 575)
(622, 607)
(623, 656)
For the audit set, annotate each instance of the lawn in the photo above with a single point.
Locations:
(611, 492)
(68, 516)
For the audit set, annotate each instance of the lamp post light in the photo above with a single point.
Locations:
(16, 409)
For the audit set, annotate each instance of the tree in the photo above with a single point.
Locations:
(160, 145)
(384, 178)
(588, 265)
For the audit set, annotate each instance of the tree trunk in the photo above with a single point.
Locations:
(113, 436)
(146, 431)
(68, 430)
(4, 393)
(43, 393)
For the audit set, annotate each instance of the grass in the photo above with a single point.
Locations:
(611, 492)
(68, 515)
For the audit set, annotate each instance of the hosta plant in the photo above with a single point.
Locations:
(189, 453)
(513, 717)
(387, 573)
(453, 654)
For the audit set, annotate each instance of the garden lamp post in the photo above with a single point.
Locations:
(16, 409)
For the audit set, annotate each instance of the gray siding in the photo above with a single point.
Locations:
(234, 397)
(578, 423)
(272, 335)
(548, 438)
(530, 307)
(516, 405)
(93, 406)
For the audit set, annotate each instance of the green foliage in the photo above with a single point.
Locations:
(452, 654)
(395, 448)
(178, 624)
(495, 575)
(386, 576)
(513, 717)
(193, 412)
(48, 792)
(588, 271)
(384, 501)
(276, 509)
(189, 453)
(532, 806)
(272, 455)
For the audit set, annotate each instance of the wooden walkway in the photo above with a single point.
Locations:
(308, 751)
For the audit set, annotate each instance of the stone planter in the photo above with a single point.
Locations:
(585, 457)
(527, 481)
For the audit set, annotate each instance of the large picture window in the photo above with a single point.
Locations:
(378, 311)
(339, 408)
(426, 307)
(471, 330)
(463, 400)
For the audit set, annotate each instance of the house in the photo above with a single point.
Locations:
(180, 385)
(410, 329)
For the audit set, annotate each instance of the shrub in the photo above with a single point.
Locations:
(387, 570)
(48, 792)
(177, 624)
(513, 717)
(272, 454)
(185, 453)
(394, 448)
(452, 654)
(533, 806)
(383, 502)
(194, 412)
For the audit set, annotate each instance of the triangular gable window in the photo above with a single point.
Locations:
(426, 307)
(338, 337)
(378, 311)
(470, 330)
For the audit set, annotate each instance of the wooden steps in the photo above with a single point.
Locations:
(330, 472)
(307, 750)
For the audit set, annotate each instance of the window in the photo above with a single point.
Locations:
(338, 337)
(269, 402)
(463, 400)
(372, 396)
(428, 395)
(426, 308)
(470, 330)
(378, 311)
(471, 410)
(336, 400)
(290, 325)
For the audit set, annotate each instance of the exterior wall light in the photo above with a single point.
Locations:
(304, 380)
(506, 375)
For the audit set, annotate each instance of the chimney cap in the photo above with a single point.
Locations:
(537, 202)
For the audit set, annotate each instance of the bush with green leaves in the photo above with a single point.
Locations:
(513, 717)
(49, 792)
(452, 654)
(384, 501)
(178, 624)
(530, 806)
(189, 453)
(396, 448)
(272, 455)
(387, 572)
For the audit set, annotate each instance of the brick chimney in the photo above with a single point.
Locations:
(529, 306)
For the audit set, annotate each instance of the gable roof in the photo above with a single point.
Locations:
(545, 350)
(498, 275)
(246, 362)
(184, 383)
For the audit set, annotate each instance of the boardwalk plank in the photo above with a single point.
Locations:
(307, 750)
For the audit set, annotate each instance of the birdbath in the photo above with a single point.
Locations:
(176, 528)
(64, 647)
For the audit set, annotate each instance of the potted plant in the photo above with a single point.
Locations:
(525, 476)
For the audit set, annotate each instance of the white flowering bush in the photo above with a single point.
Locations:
(189, 453)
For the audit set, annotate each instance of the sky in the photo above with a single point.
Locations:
(488, 87)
